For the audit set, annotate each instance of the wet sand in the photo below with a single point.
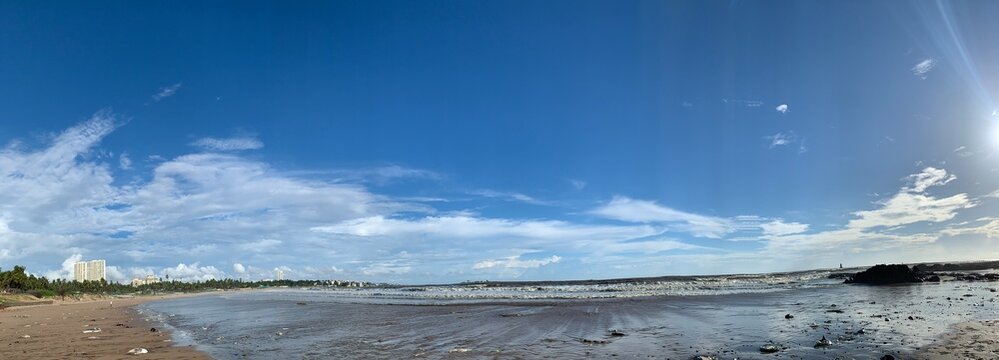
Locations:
(969, 340)
(56, 331)
(862, 322)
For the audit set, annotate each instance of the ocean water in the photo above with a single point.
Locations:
(724, 316)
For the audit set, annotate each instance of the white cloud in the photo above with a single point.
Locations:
(778, 227)
(782, 139)
(782, 108)
(882, 227)
(468, 227)
(514, 262)
(124, 162)
(228, 144)
(511, 196)
(238, 268)
(166, 91)
(66, 271)
(260, 245)
(930, 176)
(193, 272)
(962, 151)
(922, 68)
(642, 211)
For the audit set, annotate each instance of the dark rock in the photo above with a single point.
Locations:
(885, 274)
(152, 329)
(931, 278)
(838, 311)
(789, 316)
(616, 333)
(887, 357)
(910, 318)
(823, 342)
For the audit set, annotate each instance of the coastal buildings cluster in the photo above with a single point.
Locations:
(149, 279)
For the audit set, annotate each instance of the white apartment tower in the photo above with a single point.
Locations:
(93, 270)
(80, 271)
(279, 274)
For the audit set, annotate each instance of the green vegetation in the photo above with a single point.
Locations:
(17, 281)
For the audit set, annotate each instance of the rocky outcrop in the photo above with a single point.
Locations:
(886, 274)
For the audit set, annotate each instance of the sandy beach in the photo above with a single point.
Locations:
(56, 331)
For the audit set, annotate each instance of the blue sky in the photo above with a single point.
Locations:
(448, 141)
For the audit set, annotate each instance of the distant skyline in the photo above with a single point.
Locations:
(445, 141)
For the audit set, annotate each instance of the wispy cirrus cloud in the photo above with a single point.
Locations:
(784, 139)
(644, 211)
(228, 144)
(923, 67)
(166, 91)
(515, 262)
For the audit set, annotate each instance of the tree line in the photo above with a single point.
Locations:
(18, 280)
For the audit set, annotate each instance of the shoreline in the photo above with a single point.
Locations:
(56, 330)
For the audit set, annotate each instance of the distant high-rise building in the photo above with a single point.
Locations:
(80, 271)
(95, 270)
(279, 274)
(92, 270)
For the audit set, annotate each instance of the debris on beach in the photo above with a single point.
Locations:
(459, 350)
(616, 333)
(137, 351)
(823, 342)
(25, 336)
(92, 330)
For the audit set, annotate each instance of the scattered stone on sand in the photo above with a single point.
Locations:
(152, 329)
(838, 311)
(593, 341)
(137, 351)
(789, 316)
(769, 349)
(616, 333)
(823, 342)
(887, 357)
(703, 357)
